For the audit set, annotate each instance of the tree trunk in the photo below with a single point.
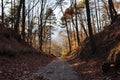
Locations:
(99, 15)
(18, 20)
(68, 35)
(105, 6)
(82, 25)
(41, 26)
(112, 10)
(96, 13)
(14, 16)
(11, 15)
(92, 41)
(23, 20)
(66, 29)
(28, 35)
(76, 20)
(93, 22)
(2, 14)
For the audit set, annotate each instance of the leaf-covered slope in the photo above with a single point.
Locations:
(106, 40)
(9, 45)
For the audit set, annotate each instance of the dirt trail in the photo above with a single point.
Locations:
(57, 70)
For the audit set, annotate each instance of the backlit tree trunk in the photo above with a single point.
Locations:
(96, 12)
(18, 19)
(92, 41)
(76, 20)
(68, 35)
(67, 30)
(2, 13)
(23, 20)
(112, 10)
(41, 25)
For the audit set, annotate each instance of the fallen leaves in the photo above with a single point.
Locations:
(91, 70)
(21, 67)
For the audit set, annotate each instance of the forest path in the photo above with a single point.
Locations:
(57, 70)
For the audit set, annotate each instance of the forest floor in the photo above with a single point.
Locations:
(36, 67)
(21, 67)
(92, 70)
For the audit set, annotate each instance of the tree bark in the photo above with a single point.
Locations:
(68, 35)
(82, 25)
(41, 26)
(112, 10)
(2, 14)
(92, 41)
(18, 19)
(23, 20)
(76, 20)
(11, 15)
(96, 13)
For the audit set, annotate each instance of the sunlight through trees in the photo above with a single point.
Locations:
(35, 21)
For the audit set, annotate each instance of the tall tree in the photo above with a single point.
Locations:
(92, 41)
(60, 2)
(96, 12)
(2, 13)
(11, 14)
(23, 20)
(112, 10)
(41, 24)
(68, 35)
(76, 20)
(29, 26)
(16, 28)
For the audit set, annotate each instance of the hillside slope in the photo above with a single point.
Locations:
(88, 66)
(106, 41)
(18, 60)
(9, 45)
